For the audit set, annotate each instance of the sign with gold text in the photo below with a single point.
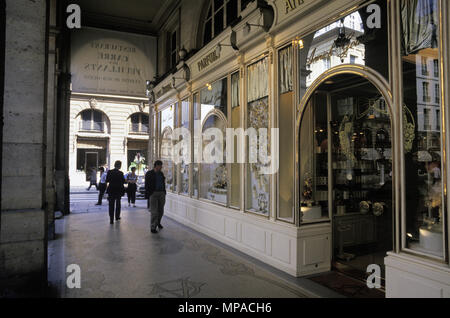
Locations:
(109, 62)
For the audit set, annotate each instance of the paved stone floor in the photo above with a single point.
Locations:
(126, 260)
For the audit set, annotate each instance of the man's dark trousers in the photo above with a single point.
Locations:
(114, 202)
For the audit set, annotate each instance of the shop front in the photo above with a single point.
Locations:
(348, 99)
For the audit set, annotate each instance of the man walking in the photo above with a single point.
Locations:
(155, 189)
(93, 179)
(116, 190)
(102, 185)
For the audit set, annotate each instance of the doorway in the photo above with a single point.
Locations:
(346, 125)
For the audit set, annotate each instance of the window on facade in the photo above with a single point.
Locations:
(424, 219)
(258, 183)
(352, 59)
(173, 49)
(437, 94)
(436, 68)
(425, 92)
(139, 123)
(424, 66)
(92, 120)
(221, 13)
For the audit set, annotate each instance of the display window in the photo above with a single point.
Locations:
(213, 174)
(360, 38)
(235, 166)
(183, 166)
(165, 151)
(258, 184)
(345, 150)
(286, 115)
(423, 126)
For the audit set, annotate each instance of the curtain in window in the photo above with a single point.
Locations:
(285, 71)
(420, 21)
(235, 90)
(257, 80)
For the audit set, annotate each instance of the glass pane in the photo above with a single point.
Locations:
(98, 121)
(235, 90)
(218, 4)
(235, 197)
(422, 128)
(286, 137)
(167, 121)
(184, 168)
(207, 36)
(347, 128)
(314, 169)
(214, 97)
(213, 176)
(86, 120)
(258, 184)
(285, 70)
(355, 39)
(232, 11)
(197, 145)
(218, 22)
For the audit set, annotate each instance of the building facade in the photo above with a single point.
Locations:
(349, 101)
(104, 130)
(352, 95)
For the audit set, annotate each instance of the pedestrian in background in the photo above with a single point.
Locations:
(131, 179)
(102, 185)
(116, 190)
(155, 191)
(93, 179)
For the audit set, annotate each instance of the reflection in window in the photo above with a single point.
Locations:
(167, 124)
(346, 41)
(184, 168)
(166, 156)
(197, 145)
(213, 176)
(423, 160)
(213, 115)
(258, 184)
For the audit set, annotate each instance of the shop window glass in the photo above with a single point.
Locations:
(235, 197)
(423, 145)
(286, 115)
(345, 163)
(167, 125)
(197, 145)
(352, 39)
(214, 176)
(184, 167)
(213, 114)
(214, 97)
(258, 184)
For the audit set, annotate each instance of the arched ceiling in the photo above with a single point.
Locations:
(137, 16)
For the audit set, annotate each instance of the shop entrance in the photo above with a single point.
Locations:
(348, 180)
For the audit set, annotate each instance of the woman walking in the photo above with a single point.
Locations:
(131, 179)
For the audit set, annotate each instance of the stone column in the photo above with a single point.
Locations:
(23, 238)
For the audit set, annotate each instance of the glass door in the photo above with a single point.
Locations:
(346, 171)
